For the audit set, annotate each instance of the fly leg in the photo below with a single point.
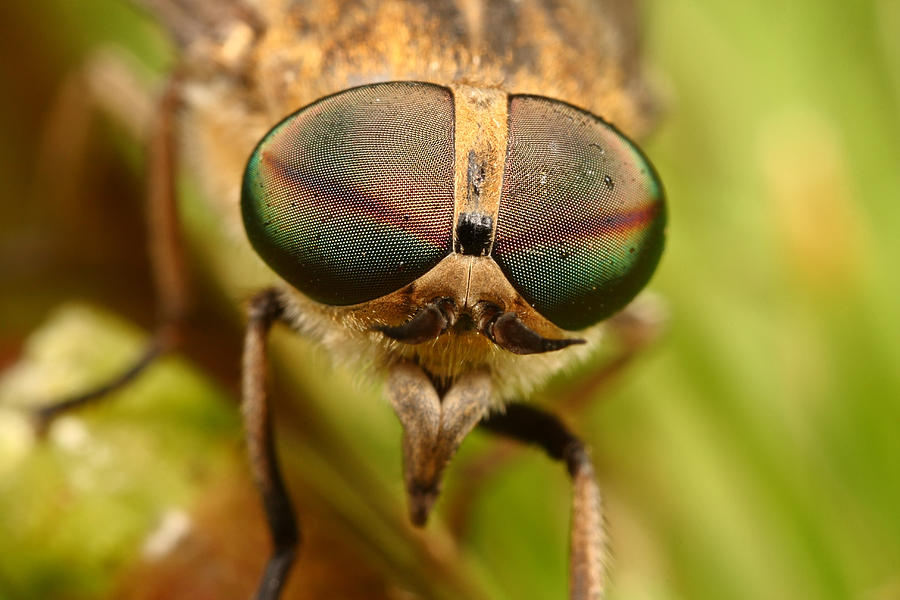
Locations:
(266, 308)
(587, 576)
(167, 256)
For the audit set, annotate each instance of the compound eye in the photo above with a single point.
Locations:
(351, 198)
(580, 226)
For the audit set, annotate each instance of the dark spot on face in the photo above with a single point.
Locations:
(608, 181)
(473, 234)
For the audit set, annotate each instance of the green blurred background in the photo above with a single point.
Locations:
(752, 453)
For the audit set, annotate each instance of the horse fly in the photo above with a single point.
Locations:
(441, 192)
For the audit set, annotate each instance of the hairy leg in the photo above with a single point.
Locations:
(266, 308)
(531, 425)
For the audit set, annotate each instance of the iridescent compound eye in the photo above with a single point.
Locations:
(351, 198)
(580, 227)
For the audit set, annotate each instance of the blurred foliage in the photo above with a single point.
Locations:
(754, 453)
(78, 503)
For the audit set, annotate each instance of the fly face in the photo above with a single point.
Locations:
(515, 217)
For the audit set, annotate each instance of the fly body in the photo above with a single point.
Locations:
(443, 194)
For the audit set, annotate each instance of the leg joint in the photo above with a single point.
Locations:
(534, 426)
(266, 307)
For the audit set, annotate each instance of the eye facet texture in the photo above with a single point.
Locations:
(351, 198)
(580, 227)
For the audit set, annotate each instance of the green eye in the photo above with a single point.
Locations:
(580, 227)
(351, 198)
